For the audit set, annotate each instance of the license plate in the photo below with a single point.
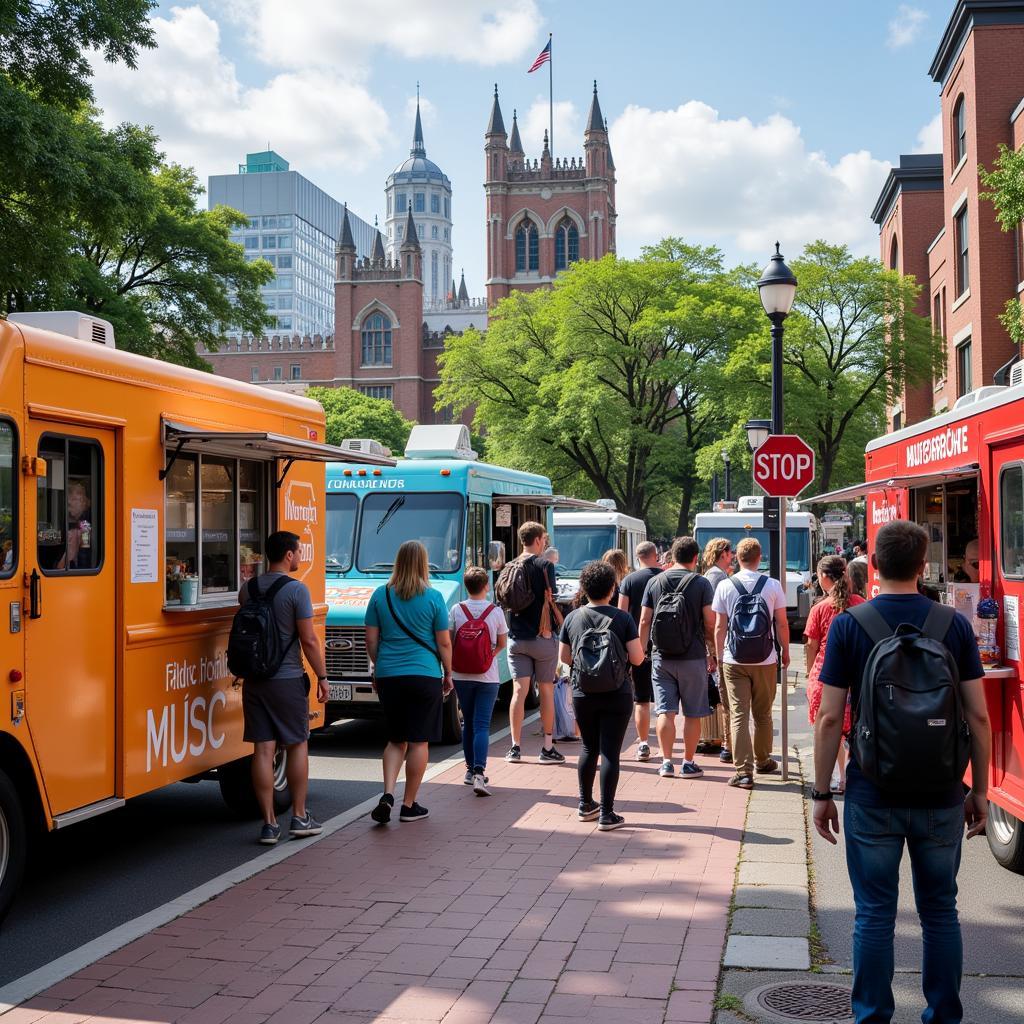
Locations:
(339, 691)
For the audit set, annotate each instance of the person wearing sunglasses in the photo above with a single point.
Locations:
(969, 571)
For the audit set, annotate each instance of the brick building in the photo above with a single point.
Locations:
(932, 221)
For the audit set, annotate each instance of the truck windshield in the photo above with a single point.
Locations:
(389, 519)
(341, 531)
(578, 545)
(798, 542)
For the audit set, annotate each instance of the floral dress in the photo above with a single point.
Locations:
(818, 621)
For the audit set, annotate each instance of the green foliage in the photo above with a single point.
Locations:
(350, 413)
(1006, 181)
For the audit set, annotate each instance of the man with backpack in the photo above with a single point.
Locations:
(677, 620)
(525, 590)
(912, 671)
(273, 628)
(750, 630)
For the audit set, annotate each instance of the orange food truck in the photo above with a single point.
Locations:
(960, 475)
(135, 497)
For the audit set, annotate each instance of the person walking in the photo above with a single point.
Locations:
(750, 628)
(857, 572)
(677, 621)
(533, 645)
(275, 709)
(602, 705)
(631, 595)
(410, 647)
(479, 634)
(717, 564)
(617, 559)
(837, 598)
(910, 794)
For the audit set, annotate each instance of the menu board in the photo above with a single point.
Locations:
(145, 545)
(1011, 626)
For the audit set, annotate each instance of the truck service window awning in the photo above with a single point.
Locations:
(855, 491)
(556, 501)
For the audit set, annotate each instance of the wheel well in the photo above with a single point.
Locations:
(14, 761)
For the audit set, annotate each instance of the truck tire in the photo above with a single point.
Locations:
(451, 722)
(1005, 835)
(13, 843)
(236, 788)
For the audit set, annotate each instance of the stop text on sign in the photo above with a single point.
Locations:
(784, 465)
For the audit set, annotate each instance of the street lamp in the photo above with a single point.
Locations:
(757, 433)
(728, 478)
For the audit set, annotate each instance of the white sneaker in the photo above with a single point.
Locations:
(480, 786)
(643, 752)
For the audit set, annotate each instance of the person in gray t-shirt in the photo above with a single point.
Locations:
(276, 710)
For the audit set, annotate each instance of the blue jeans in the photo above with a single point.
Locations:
(477, 703)
(874, 848)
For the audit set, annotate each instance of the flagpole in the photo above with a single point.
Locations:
(551, 96)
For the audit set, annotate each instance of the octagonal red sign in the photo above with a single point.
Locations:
(784, 465)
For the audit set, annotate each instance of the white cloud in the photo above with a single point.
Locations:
(568, 128)
(906, 26)
(206, 117)
(300, 33)
(929, 138)
(737, 184)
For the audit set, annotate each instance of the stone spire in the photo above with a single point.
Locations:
(411, 240)
(463, 290)
(346, 241)
(496, 125)
(515, 146)
(378, 244)
(595, 120)
(418, 148)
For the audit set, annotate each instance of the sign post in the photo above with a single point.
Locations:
(783, 467)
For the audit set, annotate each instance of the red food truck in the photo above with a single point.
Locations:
(960, 475)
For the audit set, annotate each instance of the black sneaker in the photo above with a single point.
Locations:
(301, 828)
(382, 812)
(514, 754)
(725, 756)
(414, 813)
(550, 756)
(270, 834)
(588, 810)
(691, 770)
(610, 822)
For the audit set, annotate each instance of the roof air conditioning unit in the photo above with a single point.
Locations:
(751, 503)
(440, 441)
(366, 445)
(979, 395)
(70, 323)
(608, 503)
(1016, 374)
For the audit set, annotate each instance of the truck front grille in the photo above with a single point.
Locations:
(346, 653)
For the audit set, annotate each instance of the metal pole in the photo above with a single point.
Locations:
(779, 570)
(728, 482)
(551, 94)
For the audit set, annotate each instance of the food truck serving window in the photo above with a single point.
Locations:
(1011, 519)
(69, 506)
(949, 514)
(8, 501)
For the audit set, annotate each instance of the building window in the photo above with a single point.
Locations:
(384, 391)
(400, 202)
(376, 340)
(418, 202)
(433, 275)
(435, 203)
(69, 506)
(937, 316)
(400, 229)
(389, 205)
(254, 374)
(419, 230)
(959, 130)
(527, 247)
(447, 207)
(296, 371)
(433, 231)
(278, 373)
(252, 242)
(897, 420)
(270, 241)
(567, 244)
(964, 381)
(284, 241)
(963, 265)
(894, 254)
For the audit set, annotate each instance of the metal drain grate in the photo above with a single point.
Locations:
(813, 1004)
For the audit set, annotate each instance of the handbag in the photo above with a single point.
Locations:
(714, 697)
(410, 634)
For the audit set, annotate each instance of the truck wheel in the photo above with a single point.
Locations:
(1005, 835)
(236, 788)
(13, 842)
(451, 723)
(532, 696)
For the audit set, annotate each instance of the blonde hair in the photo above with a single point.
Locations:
(748, 551)
(616, 558)
(833, 567)
(411, 574)
(713, 551)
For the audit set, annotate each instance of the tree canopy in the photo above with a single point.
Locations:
(1006, 184)
(350, 413)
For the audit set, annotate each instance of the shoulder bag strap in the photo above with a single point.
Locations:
(762, 582)
(408, 632)
(739, 586)
(272, 591)
(938, 621)
(870, 620)
(466, 612)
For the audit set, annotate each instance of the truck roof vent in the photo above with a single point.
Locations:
(440, 441)
(70, 323)
(979, 394)
(366, 445)
(1016, 374)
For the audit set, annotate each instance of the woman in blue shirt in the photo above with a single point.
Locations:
(408, 642)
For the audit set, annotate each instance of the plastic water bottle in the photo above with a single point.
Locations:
(986, 619)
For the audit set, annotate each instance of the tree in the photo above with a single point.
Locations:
(1006, 182)
(350, 413)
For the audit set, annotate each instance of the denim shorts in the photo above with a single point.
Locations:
(680, 682)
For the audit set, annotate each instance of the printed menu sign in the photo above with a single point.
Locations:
(1011, 625)
(145, 545)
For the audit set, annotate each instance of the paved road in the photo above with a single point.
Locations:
(88, 879)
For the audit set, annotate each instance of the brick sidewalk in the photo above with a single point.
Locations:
(500, 910)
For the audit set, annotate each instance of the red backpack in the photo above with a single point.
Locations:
(473, 652)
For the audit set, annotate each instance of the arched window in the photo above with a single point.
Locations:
(527, 246)
(567, 243)
(894, 254)
(377, 340)
(959, 130)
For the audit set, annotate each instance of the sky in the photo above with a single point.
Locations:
(732, 124)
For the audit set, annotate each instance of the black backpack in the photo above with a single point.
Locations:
(514, 587)
(255, 650)
(599, 660)
(672, 627)
(751, 636)
(909, 730)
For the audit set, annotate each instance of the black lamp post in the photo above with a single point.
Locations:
(728, 475)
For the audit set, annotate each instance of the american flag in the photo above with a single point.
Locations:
(542, 58)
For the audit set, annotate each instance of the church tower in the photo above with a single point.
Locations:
(544, 214)
(419, 186)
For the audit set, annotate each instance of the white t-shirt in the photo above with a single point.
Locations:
(496, 626)
(726, 596)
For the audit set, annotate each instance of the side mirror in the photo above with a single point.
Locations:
(496, 555)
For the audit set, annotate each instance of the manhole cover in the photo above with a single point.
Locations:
(803, 1001)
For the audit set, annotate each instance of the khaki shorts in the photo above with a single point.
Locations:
(536, 658)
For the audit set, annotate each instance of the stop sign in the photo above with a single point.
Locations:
(783, 465)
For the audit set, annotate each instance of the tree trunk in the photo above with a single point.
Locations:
(686, 500)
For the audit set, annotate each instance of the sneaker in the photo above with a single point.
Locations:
(703, 747)
(691, 770)
(414, 813)
(643, 752)
(610, 822)
(270, 834)
(514, 754)
(588, 810)
(550, 756)
(666, 771)
(467, 779)
(742, 782)
(382, 812)
(725, 756)
(301, 828)
(770, 767)
(480, 785)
